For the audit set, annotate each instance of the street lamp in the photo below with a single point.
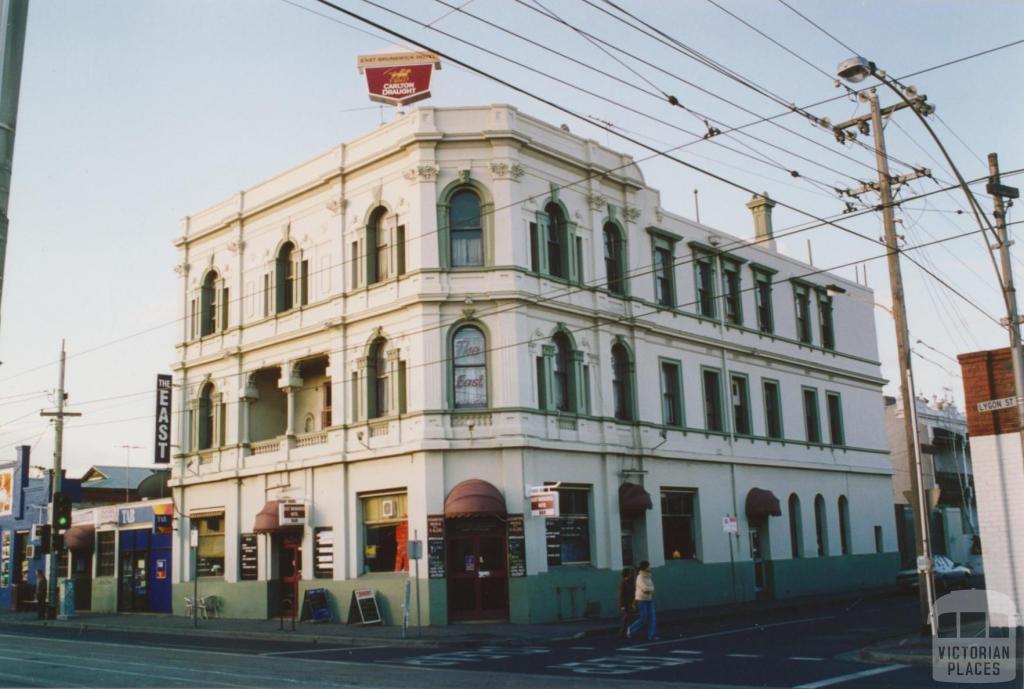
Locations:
(855, 70)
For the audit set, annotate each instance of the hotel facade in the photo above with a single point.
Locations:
(411, 332)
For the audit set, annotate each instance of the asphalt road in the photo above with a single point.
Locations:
(807, 651)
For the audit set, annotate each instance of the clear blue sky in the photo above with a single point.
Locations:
(134, 115)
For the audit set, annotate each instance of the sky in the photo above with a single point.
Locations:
(134, 115)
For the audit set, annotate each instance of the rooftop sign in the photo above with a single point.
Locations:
(398, 78)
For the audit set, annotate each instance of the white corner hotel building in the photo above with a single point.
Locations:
(408, 332)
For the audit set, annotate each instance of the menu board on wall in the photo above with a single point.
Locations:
(248, 556)
(516, 546)
(323, 552)
(553, 537)
(435, 546)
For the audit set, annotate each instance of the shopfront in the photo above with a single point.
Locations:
(144, 561)
(476, 542)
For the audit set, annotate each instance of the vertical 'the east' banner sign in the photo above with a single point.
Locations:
(162, 442)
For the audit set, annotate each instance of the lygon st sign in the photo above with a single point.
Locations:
(398, 78)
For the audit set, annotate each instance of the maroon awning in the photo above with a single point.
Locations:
(268, 519)
(633, 498)
(474, 498)
(80, 539)
(762, 503)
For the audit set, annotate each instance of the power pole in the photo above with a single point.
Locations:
(13, 18)
(55, 484)
(926, 581)
(1000, 191)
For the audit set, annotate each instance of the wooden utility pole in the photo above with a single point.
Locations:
(55, 484)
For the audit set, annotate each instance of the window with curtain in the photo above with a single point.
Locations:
(558, 252)
(614, 267)
(772, 410)
(731, 292)
(621, 383)
(802, 303)
(812, 423)
(465, 227)
(385, 532)
(205, 420)
(285, 274)
(562, 374)
(763, 301)
(376, 247)
(208, 304)
(828, 333)
(210, 554)
(713, 418)
(671, 397)
(705, 277)
(469, 367)
(377, 380)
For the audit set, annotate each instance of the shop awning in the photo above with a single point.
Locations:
(633, 498)
(80, 539)
(762, 503)
(268, 519)
(474, 498)
(154, 486)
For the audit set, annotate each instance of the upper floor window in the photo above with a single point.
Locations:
(562, 383)
(562, 374)
(466, 229)
(378, 259)
(772, 410)
(740, 405)
(664, 270)
(378, 403)
(811, 421)
(469, 367)
(213, 305)
(292, 278)
(828, 333)
(713, 417)
(835, 418)
(704, 274)
(622, 383)
(731, 292)
(802, 303)
(614, 259)
(205, 418)
(557, 242)
(763, 301)
(671, 394)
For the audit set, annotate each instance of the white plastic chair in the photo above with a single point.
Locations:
(207, 604)
(188, 606)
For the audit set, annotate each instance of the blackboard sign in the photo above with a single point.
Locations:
(435, 558)
(553, 537)
(363, 607)
(435, 526)
(248, 557)
(315, 606)
(323, 552)
(516, 546)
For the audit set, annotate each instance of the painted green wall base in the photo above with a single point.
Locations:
(104, 594)
(245, 600)
(810, 575)
(390, 591)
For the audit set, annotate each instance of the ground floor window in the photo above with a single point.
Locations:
(385, 533)
(210, 553)
(568, 535)
(678, 528)
(105, 551)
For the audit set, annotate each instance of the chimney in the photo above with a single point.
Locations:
(761, 206)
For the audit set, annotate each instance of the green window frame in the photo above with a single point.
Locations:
(812, 418)
(763, 307)
(711, 384)
(614, 244)
(739, 389)
(623, 374)
(825, 320)
(773, 428)
(704, 283)
(670, 373)
(680, 532)
(802, 306)
(836, 429)
(732, 291)
(663, 259)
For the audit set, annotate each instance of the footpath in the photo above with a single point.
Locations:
(455, 634)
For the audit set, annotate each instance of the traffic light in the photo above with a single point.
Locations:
(62, 511)
(41, 533)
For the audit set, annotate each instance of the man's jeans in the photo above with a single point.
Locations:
(647, 619)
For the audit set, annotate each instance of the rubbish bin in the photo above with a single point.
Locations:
(67, 599)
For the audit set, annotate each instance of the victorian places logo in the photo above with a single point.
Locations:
(976, 643)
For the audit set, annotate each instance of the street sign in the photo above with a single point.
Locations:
(544, 504)
(162, 442)
(729, 524)
(415, 549)
(1004, 403)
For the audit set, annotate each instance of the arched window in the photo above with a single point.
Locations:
(205, 420)
(621, 383)
(469, 368)
(377, 380)
(466, 229)
(562, 370)
(614, 260)
(208, 304)
(377, 258)
(285, 273)
(796, 528)
(558, 251)
(821, 526)
(844, 525)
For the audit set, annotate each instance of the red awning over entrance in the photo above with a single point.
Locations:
(80, 539)
(474, 498)
(762, 503)
(633, 498)
(268, 519)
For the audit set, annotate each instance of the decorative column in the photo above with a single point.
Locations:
(361, 391)
(578, 388)
(394, 384)
(249, 394)
(290, 382)
(549, 352)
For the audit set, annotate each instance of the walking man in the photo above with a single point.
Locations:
(644, 603)
(41, 590)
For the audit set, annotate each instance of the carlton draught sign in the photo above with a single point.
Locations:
(398, 78)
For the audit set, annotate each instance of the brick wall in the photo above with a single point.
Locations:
(987, 376)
